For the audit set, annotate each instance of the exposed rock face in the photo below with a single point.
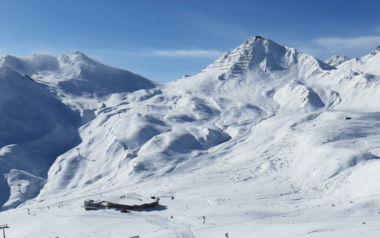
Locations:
(336, 60)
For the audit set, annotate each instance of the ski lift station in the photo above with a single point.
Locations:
(128, 201)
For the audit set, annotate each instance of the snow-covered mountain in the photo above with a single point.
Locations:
(151, 132)
(78, 81)
(36, 127)
(255, 71)
(266, 141)
(77, 74)
(336, 60)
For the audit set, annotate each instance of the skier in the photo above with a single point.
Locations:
(204, 219)
(28, 211)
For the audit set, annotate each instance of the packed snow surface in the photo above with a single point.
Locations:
(264, 142)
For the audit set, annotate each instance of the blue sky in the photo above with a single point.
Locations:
(165, 39)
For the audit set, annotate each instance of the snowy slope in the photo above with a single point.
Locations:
(258, 142)
(310, 175)
(35, 128)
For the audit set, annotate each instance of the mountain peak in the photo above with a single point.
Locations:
(77, 57)
(255, 38)
(336, 60)
(259, 54)
(78, 53)
(376, 51)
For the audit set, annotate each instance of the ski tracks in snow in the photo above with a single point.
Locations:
(178, 230)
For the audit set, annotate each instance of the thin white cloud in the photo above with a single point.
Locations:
(348, 43)
(123, 52)
(188, 53)
(165, 53)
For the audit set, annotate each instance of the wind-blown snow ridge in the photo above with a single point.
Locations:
(31, 65)
(77, 74)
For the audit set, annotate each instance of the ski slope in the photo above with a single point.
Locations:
(264, 142)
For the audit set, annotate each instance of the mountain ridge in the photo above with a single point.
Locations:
(366, 64)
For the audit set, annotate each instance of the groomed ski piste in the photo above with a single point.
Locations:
(265, 142)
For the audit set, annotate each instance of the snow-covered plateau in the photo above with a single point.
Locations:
(264, 142)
